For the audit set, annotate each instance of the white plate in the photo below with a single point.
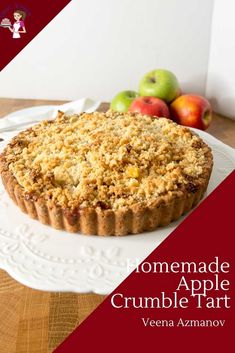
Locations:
(47, 259)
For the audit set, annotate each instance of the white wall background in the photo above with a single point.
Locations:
(221, 70)
(97, 48)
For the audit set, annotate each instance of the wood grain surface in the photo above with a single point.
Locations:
(33, 321)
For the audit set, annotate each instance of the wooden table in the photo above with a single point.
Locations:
(32, 321)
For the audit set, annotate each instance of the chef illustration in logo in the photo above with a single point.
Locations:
(18, 26)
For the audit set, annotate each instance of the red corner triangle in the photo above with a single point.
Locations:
(207, 233)
(34, 17)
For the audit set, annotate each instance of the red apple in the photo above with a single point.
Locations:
(191, 110)
(152, 106)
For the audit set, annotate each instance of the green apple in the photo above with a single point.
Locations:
(122, 101)
(160, 83)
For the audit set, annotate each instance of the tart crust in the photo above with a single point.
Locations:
(136, 218)
(132, 220)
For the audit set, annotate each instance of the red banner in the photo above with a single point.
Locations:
(21, 21)
(180, 299)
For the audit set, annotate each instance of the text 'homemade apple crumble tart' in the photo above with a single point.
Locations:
(106, 173)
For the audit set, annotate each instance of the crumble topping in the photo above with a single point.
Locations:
(107, 160)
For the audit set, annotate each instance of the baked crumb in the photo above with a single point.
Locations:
(107, 160)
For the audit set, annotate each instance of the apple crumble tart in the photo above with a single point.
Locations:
(106, 173)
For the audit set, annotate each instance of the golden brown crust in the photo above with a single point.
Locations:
(134, 217)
